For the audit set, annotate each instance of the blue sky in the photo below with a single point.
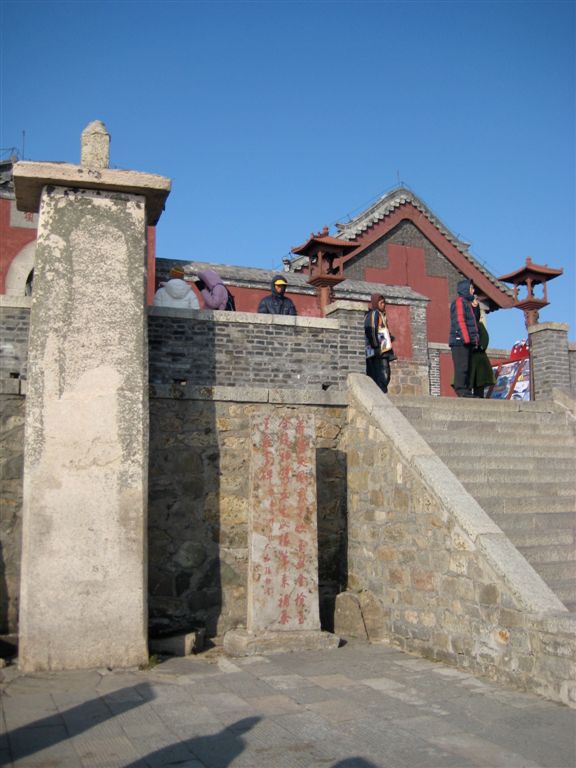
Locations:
(275, 118)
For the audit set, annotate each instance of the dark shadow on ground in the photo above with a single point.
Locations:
(61, 726)
(220, 749)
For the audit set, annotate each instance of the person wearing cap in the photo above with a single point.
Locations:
(176, 292)
(277, 303)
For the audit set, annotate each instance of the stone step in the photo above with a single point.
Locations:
(477, 451)
(566, 592)
(495, 431)
(549, 471)
(470, 405)
(528, 523)
(489, 437)
(529, 505)
(555, 572)
(536, 538)
(461, 464)
(519, 488)
(482, 415)
(551, 553)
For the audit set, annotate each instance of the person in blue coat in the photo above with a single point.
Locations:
(464, 336)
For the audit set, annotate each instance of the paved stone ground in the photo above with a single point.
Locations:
(361, 706)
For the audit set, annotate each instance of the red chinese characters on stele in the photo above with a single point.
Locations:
(283, 581)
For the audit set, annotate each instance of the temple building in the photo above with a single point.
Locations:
(398, 247)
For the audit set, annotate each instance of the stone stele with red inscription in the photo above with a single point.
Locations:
(283, 607)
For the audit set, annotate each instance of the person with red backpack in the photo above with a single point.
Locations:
(464, 336)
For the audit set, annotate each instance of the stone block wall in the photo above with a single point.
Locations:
(11, 463)
(438, 576)
(198, 503)
(14, 325)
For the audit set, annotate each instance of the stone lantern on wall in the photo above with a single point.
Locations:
(531, 275)
(325, 262)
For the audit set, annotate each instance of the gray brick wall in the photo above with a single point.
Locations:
(241, 349)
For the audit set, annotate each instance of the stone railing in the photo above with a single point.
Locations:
(429, 571)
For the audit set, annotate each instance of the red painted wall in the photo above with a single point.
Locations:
(248, 299)
(12, 240)
(406, 266)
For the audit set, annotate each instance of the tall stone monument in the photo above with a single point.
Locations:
(283, 607)
(83, 581)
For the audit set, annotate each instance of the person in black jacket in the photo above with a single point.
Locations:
(464, 336)
(277, 303)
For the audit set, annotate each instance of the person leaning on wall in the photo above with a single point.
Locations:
(277, 303)
(379, 351)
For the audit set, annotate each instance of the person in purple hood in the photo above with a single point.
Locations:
(213, 290)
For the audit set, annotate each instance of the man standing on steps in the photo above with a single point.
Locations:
(464, 337)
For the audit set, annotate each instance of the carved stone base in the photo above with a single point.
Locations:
(240, 642)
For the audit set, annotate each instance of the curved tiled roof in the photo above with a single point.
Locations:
(397, 198)
(255, 277)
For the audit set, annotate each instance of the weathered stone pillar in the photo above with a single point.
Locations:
(550, 358)
(283, 606)
(83, 581)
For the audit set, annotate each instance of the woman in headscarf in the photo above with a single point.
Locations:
(481, 371)
(212, 289)
(379, 340)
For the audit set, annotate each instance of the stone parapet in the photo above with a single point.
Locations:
(549, 352)
(242, 349)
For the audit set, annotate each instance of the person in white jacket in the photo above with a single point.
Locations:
(176, 292)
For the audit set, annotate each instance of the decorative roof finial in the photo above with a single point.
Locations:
(95, 146)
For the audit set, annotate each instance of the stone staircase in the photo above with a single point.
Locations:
(518, 460)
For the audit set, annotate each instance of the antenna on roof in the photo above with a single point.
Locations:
(23, 143)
